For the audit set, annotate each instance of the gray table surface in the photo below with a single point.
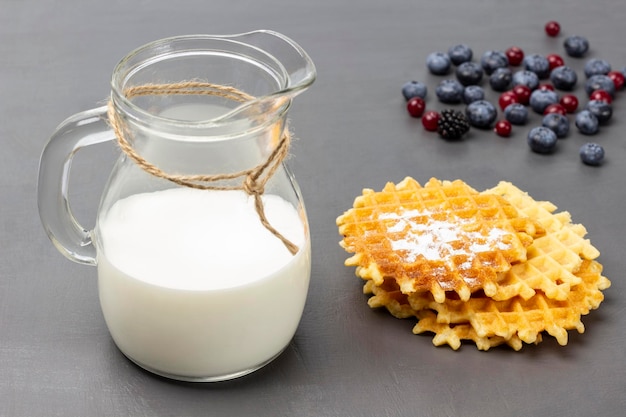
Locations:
(56, 356)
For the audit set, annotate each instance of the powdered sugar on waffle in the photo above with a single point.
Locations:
(439, 239)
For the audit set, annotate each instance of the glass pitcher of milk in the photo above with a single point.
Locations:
(201, 240)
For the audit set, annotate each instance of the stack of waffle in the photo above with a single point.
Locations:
(490, 267)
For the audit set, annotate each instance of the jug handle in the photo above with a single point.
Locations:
(68, 236)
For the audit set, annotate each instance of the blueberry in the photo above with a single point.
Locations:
(576, 46)
(540, 99)
(460, 53)
(481, 113)
(564, 78)
(601, 109)
(591, 153)
(414, 89)
(538, 64)
(542, 140)
(557, 123)
(449, 91)
(587, 123)
(491, 60)
(527, 78)
(500, 79)
(596, 66)
(469, 73)
(600, 82)
(438, 63)
(473, 93)
(516, 113)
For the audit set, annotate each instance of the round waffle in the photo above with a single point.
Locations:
(442, 237)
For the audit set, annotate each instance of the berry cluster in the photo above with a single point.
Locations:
(520, 91)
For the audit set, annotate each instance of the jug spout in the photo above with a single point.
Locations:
(296, 67)
(285, 61)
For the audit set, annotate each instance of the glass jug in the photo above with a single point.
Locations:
(201, 239)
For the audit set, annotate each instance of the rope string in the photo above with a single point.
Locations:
(253, 179)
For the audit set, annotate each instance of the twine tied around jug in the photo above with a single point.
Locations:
(253, 179)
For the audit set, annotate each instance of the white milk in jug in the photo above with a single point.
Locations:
(192, 285)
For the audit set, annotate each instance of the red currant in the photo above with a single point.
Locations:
(506, 98)
(569, 102)
(552, 28)
(546, 87)
(555, 108)
(515, 55)
(430, 120)
(555, 61)
(522, 92)
(601, 95)
(415, 106)
(618, 79)
(503, 128)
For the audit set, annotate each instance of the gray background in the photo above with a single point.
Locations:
(56, 357)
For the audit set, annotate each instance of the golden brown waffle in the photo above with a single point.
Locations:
(490, 323)
(553, 258)
(441, 237)
(548, 292)
(388, 295)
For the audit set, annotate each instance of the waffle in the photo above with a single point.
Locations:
(441, 237)
(549, 291)
(489, 323)
(389, 296)
(552, 259)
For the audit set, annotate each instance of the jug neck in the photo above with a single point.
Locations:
(264, 69)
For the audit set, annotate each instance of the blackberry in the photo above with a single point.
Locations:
(452, 124)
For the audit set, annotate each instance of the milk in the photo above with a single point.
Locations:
(192, 286)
